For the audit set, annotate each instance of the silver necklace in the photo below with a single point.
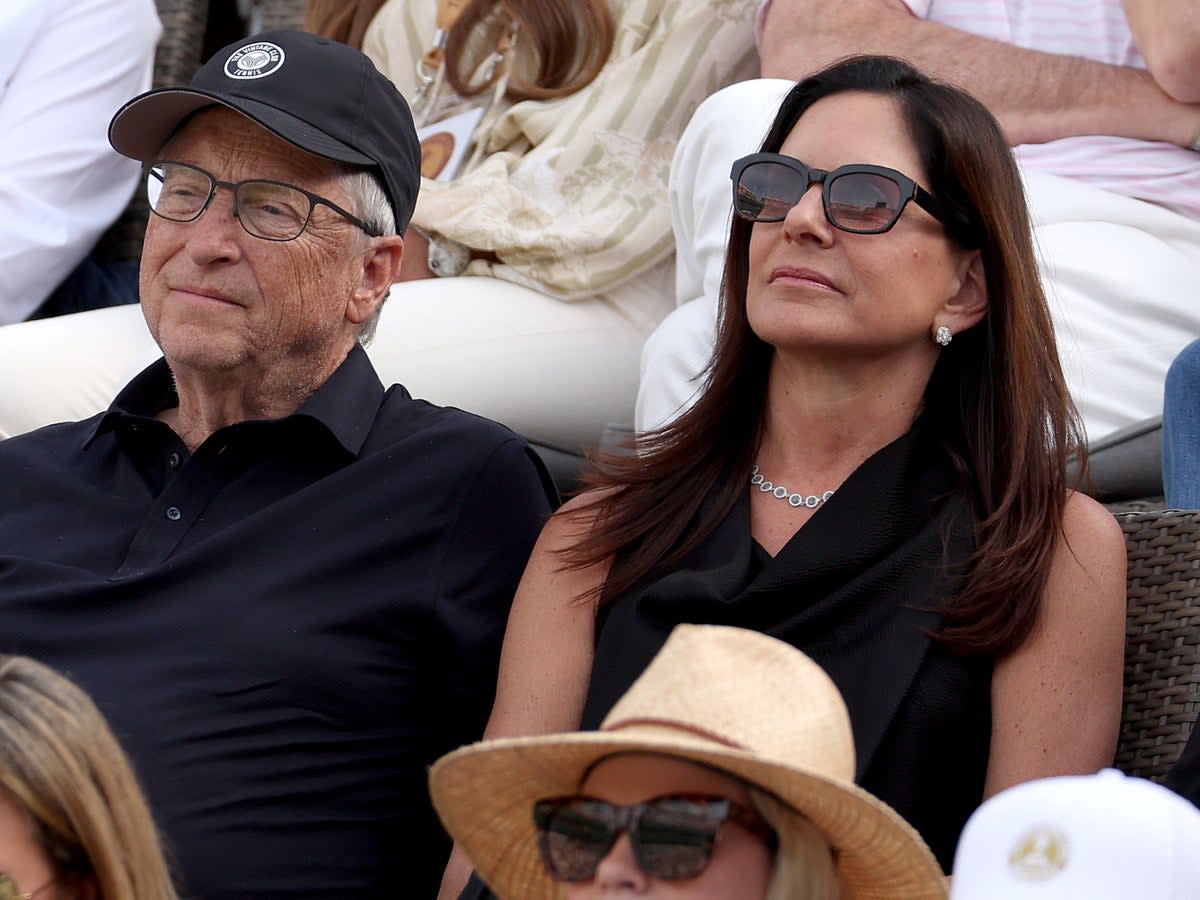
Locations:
(812, 501)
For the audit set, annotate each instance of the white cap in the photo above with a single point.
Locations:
(1093, 837)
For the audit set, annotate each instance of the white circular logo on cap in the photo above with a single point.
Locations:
(254, 60)
(1039, 854)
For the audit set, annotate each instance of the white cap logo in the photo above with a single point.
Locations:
(254, 61)
(1039, 854)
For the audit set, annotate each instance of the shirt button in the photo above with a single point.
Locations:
(173, 513)
(173, 460)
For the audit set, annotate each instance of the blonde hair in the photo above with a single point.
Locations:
(804, 868)
(59, 758)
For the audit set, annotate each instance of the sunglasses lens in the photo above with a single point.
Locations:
(863, 201)
(675, 838)
(766, 191)
(672, 837)
(573, 837)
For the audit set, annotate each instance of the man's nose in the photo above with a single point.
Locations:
(216, 232)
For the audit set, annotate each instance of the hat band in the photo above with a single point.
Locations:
(675, 726)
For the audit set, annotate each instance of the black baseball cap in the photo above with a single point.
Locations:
(314, 92)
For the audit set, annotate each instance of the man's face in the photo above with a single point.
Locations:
(221, 302)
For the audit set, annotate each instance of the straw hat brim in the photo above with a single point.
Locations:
(484, 794)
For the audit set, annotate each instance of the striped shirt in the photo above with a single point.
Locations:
(1154, 171)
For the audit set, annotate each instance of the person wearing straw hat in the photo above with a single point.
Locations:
(726, 770)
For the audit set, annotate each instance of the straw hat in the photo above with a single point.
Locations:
(729, 698)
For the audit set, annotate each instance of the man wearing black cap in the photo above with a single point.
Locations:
(284, 585)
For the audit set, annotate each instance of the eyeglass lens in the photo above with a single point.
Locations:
(672, 837)
(854, 201)
(266, 209)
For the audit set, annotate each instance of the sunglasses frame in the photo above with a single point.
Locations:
(716, 810)
(909, 190)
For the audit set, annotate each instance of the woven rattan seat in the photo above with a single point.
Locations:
(1162, 651)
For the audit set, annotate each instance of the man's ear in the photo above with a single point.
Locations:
(380, 270)
(967, 305)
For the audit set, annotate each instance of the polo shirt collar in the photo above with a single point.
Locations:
(346, 404)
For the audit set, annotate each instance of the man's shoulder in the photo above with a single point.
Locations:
(423, 439)
(401, 417)
(49, 443)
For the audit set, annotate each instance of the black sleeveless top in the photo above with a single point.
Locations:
(858, 588)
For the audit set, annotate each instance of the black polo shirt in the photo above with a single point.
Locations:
(285, 627)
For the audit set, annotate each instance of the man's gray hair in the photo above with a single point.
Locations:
(370, 203)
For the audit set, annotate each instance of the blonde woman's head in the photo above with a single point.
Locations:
(61, 765)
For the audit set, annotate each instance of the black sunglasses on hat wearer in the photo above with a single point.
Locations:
(672, 836)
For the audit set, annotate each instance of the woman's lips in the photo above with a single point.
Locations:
(792, 273)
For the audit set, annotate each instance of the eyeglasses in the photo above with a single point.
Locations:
(271, 210)
(859, 198)
(672, 836)
(10, 891)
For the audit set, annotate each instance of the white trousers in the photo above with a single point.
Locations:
(553, 371)
(1121, 275)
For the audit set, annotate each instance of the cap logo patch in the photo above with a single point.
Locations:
(1039, 854)
(254, 60)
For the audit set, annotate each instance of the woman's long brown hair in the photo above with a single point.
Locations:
(562, 44)
(996, 398)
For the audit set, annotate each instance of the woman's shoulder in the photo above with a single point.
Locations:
(1085, 519)
(577, 516)
(1088, 572)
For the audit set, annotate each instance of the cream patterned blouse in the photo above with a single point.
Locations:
(571, 194)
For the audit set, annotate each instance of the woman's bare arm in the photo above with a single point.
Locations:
(546, 660)
(1056, 700)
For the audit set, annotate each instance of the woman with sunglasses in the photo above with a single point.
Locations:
(73, 822)
(724, 772)
(876, 472)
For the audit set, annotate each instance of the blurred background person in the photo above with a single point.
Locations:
(64, 67)
(1181, 431)
(73, 822)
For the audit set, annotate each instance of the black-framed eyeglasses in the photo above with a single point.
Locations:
(271, 210)
(10, 891)
(672, 836)
(858, 198)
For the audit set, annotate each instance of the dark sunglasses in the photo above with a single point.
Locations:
(672, 836)
(858, 198)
